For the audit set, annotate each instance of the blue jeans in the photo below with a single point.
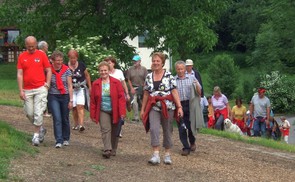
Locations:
(219, 123)
(58, 104)
(259, 127)
(186, 134)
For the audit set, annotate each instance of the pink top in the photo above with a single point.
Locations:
(220, 102)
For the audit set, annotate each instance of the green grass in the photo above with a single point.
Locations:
(13, 144)
(251, 140)
(9, 94)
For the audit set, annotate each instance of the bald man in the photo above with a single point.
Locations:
(33, 77)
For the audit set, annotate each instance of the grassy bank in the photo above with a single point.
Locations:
(251, 140)
(13, 144)
(9, 94)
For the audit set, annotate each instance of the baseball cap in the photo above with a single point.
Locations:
(189, 62)
(136, 58)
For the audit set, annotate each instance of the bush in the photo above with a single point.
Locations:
(223, 72)
(280, 90)
(90, 50)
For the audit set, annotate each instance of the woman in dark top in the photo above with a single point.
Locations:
(81, 80)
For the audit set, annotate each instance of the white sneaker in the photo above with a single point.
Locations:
(66, 143)
(167, 160)
(58, 145)
(155, 160)
(42, 134)
(35, 141)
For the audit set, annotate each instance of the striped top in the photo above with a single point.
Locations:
(53, 87)
(184, 86)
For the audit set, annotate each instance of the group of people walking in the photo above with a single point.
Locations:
(158, 98)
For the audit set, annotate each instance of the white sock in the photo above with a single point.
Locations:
(167, 153)
(36, 135)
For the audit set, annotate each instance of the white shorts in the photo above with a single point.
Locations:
(78, 97)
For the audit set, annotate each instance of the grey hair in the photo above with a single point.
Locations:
(42, 44)
(179, 62)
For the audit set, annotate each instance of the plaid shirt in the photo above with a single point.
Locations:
(184, 86)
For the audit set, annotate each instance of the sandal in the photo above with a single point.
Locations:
(75, 127)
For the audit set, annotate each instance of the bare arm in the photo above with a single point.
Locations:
(177, 102)
(20, 84)
(70, 87)
(88, 80)
(131, 87)
(48, 75)
(228, 110)
(144, 102)
(125, 89)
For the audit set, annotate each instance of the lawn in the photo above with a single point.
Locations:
(13, 143)
(9, 94)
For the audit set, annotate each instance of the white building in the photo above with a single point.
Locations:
(145, 53)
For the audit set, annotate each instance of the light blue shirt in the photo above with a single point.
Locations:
(106, 104)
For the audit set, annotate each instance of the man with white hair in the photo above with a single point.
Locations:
(43, 46)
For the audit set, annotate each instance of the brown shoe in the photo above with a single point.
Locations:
(193, 147)
(113, 153)
(106, 154)
(185, 152)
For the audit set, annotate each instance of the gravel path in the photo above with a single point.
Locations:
(216, 159)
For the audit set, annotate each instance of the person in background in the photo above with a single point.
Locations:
(221, 108)
(33, 85)
(204, 106)
(194, 72)
(107, 107)
(260, 112)
(238, 115)
(211, 118)
(160, 100)
(60, 99)
(43, 46)
(81, 80)
(118, 74)
(285, 128)
(136, 76)
(184, 83)
(250, 122)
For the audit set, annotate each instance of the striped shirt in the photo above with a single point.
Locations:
(53, 87)
(184, 86)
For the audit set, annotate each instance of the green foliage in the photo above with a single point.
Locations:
(90, 51)
(275, 42)
(12, 144)
(9, 94)
(245, 19)
(115, 20)
(280, 90)
(223, 73)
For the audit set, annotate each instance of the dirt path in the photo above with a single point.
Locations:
(216, 159)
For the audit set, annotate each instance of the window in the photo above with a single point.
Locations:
(12, 34)
(142, 38)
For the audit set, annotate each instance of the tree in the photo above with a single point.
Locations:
(183, 25)
(275, 42)
(223, 73)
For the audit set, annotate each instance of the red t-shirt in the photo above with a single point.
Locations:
(33, 66)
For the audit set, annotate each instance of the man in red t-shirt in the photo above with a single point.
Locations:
(33, 85)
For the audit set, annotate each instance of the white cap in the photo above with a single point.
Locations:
(189, 62)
